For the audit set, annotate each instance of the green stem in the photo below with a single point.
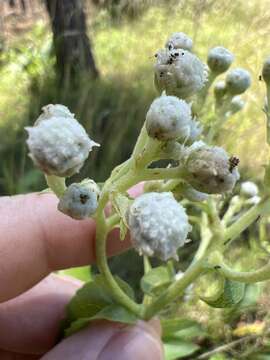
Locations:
(56, 184)
(175, 290)
(112, 221)
(261, 274)
(247, 219)
(118, 294)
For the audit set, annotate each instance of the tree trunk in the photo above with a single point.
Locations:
(71, 43)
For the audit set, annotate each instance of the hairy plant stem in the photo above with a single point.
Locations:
(118, 294)
(56, 184)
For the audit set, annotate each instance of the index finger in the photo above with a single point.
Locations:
(37, 239)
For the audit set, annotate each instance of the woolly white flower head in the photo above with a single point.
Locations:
(238, 81)
(80, 200)
(168, 118)
(249, 189)
(219, 59)
(179, 73)
(179, 40)
(210, 170)
(158, 225)
(58, 144)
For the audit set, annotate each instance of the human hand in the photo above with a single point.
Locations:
(36, 240)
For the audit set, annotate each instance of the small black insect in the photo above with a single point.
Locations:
(83, 198)
(233, 162)
(260, 77)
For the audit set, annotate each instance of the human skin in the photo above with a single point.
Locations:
(35, 241)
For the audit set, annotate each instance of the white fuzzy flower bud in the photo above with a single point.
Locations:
(158, 225)
(266, 71)
(237, 104)
(238, 81)
(249, 189)
(168, 118)
(58, 144)
(179, 40)
(80, 200)
(210, 170)
(219, 59)
(179, 73)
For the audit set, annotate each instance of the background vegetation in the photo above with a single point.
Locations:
(125, 36)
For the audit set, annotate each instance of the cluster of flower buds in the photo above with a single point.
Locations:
(58, 144)
(178, 71)
(158, 225)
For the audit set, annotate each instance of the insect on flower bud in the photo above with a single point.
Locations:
(80, 200)
(179, 40)
(266, 71)
(249, 189)
(58, 144)
(158, 225)
(238, 81)
(210, 170)
(179, 73)
(168, 118)
(219, 59)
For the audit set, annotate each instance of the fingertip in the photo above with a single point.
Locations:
(105, 340)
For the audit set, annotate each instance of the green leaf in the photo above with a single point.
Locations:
(82, 273)
(155, 280)
(179, 349)
(230, 294)
(170, 326)
(189, 333)
(121, 204)
(111, 312)
(93, 297)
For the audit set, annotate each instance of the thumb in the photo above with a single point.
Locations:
(105, 340)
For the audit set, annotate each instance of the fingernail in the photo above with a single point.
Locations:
(133, 343)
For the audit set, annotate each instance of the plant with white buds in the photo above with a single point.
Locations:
(238, 81)
(179, 40)
(179, 73)
(80, 200)
(168, 118)
(174, 167)
(58, 144)
(219, 59)
(158, 225)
